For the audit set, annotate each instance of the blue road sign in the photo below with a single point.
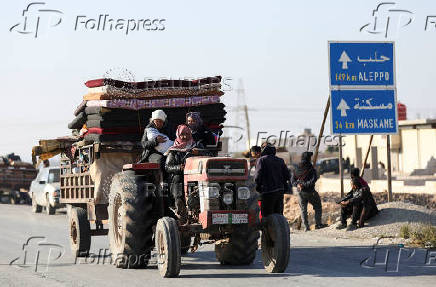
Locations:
(361, 64)
(363, 112)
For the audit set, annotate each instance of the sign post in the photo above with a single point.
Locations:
(363, 91)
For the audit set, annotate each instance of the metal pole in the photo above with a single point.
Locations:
(321, 132)
(388, 147)
(341, 167)
(362, 172)
(247, 123)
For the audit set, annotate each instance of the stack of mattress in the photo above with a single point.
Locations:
(115, 111)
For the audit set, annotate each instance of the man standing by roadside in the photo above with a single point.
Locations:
(304, 179)
(272, 178)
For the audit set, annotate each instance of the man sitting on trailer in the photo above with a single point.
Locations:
(155, 140)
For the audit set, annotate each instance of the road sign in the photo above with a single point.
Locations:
(361, 64)
(364, 112)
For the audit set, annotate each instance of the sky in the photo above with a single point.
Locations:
(277, 49)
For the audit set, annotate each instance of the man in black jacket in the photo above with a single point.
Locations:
(360, 206)
(304, 179)
(272, 177)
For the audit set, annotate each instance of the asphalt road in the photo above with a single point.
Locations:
(314, 261)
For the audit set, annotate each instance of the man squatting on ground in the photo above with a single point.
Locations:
(359, 203)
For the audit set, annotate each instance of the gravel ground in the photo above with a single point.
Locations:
(386, 224)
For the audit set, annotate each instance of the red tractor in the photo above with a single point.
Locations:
(221, 210)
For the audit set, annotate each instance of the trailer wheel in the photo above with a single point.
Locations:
(241, 248)
(131, 221)
(48, 208)
(80, 232)
(168, 247)
(275, 244)
(36, 208)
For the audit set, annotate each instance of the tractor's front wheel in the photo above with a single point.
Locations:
(167, 240)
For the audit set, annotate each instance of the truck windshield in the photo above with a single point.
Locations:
(54, 176)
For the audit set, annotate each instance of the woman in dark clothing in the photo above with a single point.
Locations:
(183, 148)
(174, 166)
(200, 133)
(154, 139)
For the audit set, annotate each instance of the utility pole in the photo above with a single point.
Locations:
(388, 148)
(242, 112)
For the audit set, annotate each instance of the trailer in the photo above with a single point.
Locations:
(15, 182)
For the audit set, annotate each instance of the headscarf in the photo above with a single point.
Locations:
(196, 116)
(305, 165)
(182, 145)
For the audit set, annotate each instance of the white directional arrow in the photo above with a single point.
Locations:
(343, 107)
(344, 59)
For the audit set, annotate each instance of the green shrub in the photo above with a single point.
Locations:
(405, 231)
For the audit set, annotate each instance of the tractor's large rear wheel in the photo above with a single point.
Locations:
(240, 249)
(130, 221)
(242, 246)
(168, 247)
(275, 243)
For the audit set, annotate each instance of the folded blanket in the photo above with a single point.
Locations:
(80, 108)
(115, 131)
(153, 94)
(114, 124)
(78, 122)
(112, 138)
(101, 110)
(152, 84)
(114, 117)
(138, 104)
(156, 93)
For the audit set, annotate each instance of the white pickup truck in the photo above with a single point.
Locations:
(45, 190)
